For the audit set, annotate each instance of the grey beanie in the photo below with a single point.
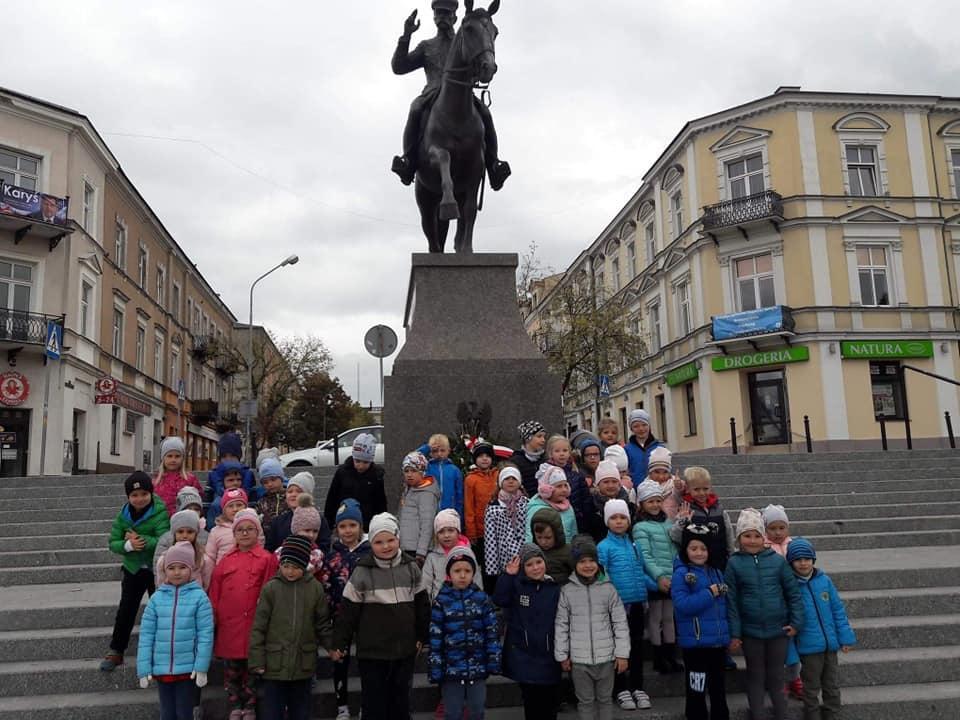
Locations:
(172, 444)
(304, 481)
(639, 415)
(530, 551)
(189, 495)
(185, 519)
(365, 448)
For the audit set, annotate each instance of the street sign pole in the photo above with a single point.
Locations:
(51, 352)
(380, 342)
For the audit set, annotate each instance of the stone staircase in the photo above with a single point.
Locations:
(886, 527)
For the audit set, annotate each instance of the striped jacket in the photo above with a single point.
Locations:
(384, 609)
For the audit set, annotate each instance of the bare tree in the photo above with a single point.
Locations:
(529, 271)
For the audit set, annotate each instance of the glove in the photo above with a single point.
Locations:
(200, 677)
(145, 681)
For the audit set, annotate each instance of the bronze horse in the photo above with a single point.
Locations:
(451, 153)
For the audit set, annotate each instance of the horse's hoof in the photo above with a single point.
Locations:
(449, 211)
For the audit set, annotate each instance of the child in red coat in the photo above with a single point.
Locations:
(171, 478)
(234, 591)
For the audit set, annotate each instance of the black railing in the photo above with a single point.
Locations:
(202, 411)
(25, 327)
(762, 206)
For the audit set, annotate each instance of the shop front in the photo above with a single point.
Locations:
(885, 363)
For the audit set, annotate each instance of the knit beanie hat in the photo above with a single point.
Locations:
(137, 480)
(364, 448)
(648, 489)
(188, 495)
(528, 429)
(800, 548)
(508, 472)
(171, 444)
(482, 447)
(606, 470)
(619, 456)
(615, 507)
(448, 518)
(583, 439)
(583, 546)
(296, 551)
(185, 519)
(749, 519)
(231, 466)
(349, 510)
(551, 475)
(638, 415)
(414, 461)
(692, 532)
(271, 468)
(383, 522)
(461, 553)
(248, 515)
(267, 453)
(774, 513)
(529, 551)
(230, 444)
(660, 459)
(304, 481)
(183, 553)
(305, 515)
(233, 494)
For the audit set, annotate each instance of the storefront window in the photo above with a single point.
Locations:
(889, 394)
(691, 409)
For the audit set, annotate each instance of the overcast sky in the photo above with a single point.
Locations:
(287, 115)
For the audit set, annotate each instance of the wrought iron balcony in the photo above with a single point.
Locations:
(767, 205)
(25, 327)
(203, 411)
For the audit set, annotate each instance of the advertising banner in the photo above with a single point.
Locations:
(752, 322)
(31, 205)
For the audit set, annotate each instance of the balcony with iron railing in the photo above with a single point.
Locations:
(760, 207)
(25, 328)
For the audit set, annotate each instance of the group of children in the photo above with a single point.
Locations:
(585, 548)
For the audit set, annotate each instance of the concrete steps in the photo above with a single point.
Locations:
(891, 545)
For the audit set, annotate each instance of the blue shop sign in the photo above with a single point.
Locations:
(753, 322)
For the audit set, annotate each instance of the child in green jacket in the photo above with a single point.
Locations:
(136, 529)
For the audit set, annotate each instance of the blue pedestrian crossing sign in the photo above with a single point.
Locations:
(54, 340)
(603, 382)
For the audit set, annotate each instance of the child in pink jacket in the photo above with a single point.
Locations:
(171, 478)
(222, 537)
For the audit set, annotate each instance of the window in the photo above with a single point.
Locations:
(15, 283)
(955, 161)
(661, 417)
(117, 333)
(120, 256)
(889, 394)
(632, 259)
(142, 267)
(175, 302)
(114, 430)
(86, 296)
(676, 209)
(651, 238)
(862, 170)
(745, 177)
(615, 270)
(130, 420)
(655, 336)
(691, 409)
(175, 368)
(89, 201)
(635, 325)
(600, 284)
(158, 357)
(141, 346)
(684, 324)
(161, 286)
(872, 269)
(196, 320)
(755, 282)
(18, 169)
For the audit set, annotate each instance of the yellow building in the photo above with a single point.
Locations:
(791, 257)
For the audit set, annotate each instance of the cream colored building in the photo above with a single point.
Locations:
(836, 215)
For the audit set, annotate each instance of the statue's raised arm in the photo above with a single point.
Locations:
(403, 60)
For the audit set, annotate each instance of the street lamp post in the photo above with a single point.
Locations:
(292, 260)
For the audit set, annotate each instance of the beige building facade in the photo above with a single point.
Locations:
(792, 258)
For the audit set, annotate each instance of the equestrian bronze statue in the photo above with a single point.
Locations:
(450, 141)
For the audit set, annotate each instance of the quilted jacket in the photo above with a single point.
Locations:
(464, 642)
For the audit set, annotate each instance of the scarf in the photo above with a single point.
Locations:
(533, 457)
(511, 503)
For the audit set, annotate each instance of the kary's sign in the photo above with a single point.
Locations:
(32, 205)
(799, 353)
(883, 349)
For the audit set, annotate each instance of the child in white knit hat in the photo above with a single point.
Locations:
(447, 536)
(504, 521)
(185, 527)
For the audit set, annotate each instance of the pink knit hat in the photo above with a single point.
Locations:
(247, 515)
(305, 516)
(448, 518)
(233, 494)
(183, 553)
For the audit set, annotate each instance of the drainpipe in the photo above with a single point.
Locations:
(943, 230)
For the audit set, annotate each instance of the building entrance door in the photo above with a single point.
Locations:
(14, 440)
(768, 408)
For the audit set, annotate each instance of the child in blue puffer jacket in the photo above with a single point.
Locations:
(623, 561)
(442, 469)
(826, 631)
(699, 601)
(176, 636)
(464, 641)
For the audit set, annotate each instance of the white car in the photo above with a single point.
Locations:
(322, 454)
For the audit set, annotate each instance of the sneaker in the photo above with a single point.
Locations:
(343, 713)
(795, 688)
(729, 663)
(625, 700)
(111, 661)
(642, 699)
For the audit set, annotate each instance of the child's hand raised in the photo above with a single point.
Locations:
(513, 567)
(684, 512)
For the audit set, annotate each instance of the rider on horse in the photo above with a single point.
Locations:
(431, 55)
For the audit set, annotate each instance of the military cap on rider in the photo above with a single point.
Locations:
(451, 5)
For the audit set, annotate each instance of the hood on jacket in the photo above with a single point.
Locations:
(429, 484)
(552, 518)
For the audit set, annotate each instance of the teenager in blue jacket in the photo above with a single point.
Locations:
(229, 451)
(826, 631)
(700, 606)
(529, 598)
(640, 444)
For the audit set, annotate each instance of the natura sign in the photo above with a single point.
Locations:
(883, 349)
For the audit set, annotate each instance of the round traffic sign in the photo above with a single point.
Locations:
(380, 341)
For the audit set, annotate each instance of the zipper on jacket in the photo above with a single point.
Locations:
(173, 625)
(816, 607)
(593, 655)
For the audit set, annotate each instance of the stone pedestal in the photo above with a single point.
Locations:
(465, 342)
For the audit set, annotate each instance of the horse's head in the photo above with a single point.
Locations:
(478, 37)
